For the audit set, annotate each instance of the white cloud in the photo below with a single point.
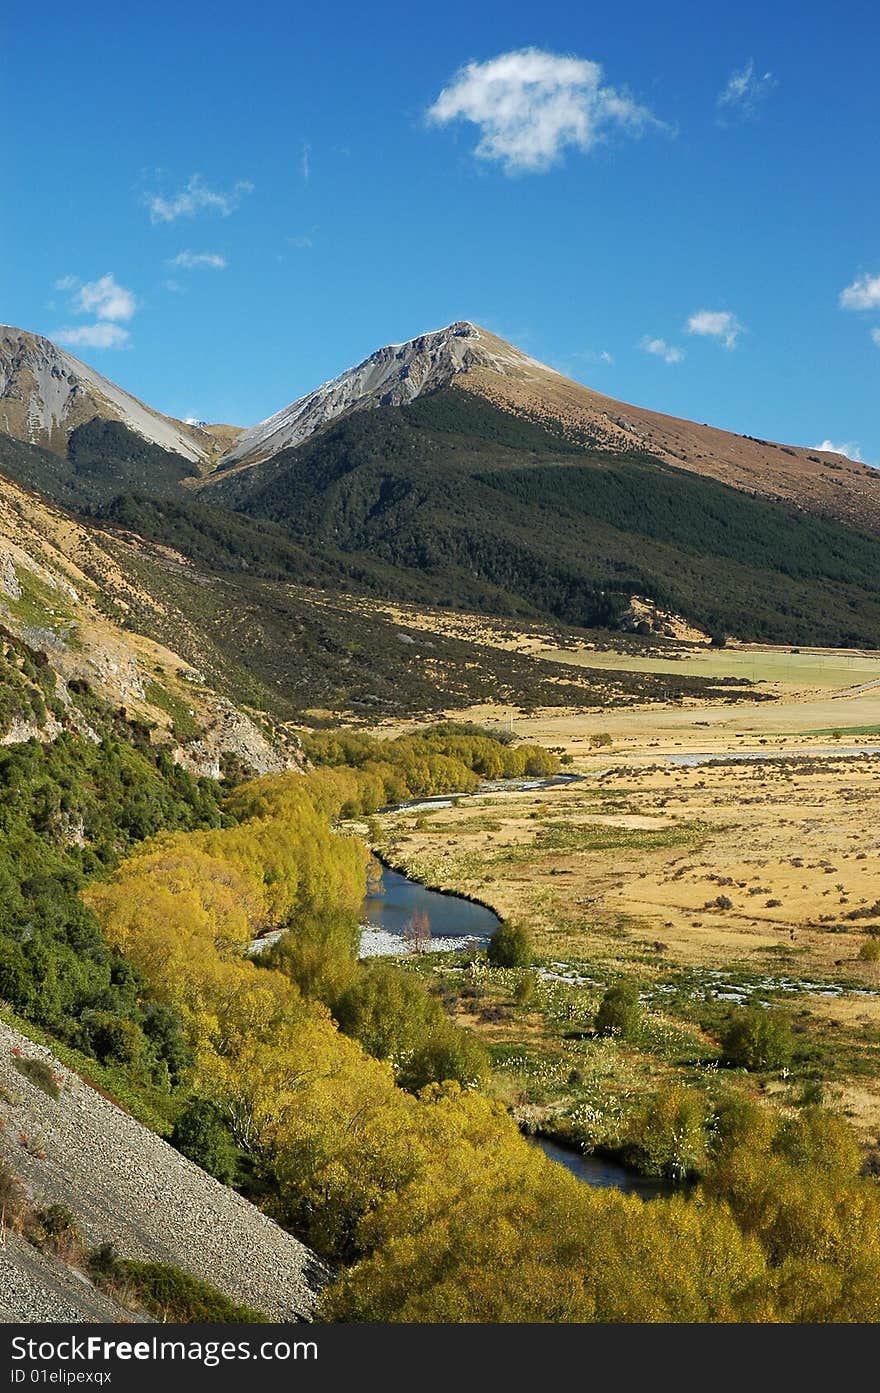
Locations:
(605, 356)
(850, 450)
(716, 324)
(661, 349)
(198, 261)
(303, 243)
(531, 106)
(305, 161)
(863, 294)
(196, 197)
(875, 335)
(745, 91)
(102, 335)
(106, 299)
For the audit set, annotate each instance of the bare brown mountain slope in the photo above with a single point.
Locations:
(817, 481)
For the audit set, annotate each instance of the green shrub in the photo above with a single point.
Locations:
(54, 1229)
(112, 1039)
(756, 1039)
(39, 1072)
(524, 990)
(389, 1010)
(450, 1053)
(619, 1012)
(741, 1122)
(815, 1141)
(669, 1136)
(16, 978)
(201, 1133)
(510, 946)
(166, 1292)
(318, 953)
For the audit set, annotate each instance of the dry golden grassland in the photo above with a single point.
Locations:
(709, 885)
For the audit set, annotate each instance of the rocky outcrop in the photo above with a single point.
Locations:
(231, 734)
(45, 393)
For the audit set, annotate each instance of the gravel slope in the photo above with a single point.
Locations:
(34, 1287)
(128, 1186)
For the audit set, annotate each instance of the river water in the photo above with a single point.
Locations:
(603, 1173)
(452, 921)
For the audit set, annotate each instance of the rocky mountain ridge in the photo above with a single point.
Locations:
(392, 376)
(46, 394)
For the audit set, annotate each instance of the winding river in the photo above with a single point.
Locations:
(454, 922)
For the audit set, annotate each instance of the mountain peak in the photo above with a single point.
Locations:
(392, 376)
(45, 393)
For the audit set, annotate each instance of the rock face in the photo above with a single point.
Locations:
(127, 1186)
(392, 376)
(228, 731)
(45, 393)
(10, 586)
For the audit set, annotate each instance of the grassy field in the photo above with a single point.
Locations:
(792, 670)
(707, 886)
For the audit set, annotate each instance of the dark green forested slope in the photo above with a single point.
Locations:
(104, 458)
(456, 490)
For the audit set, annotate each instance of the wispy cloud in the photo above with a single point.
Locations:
(305, 161)
(104, 334)
(744, 93)
(199, 261)
(875, 335)
(531, 106)
(720, 325)
(863, 294)
(111, 304)
(661, 349)
(196, 197)
(594, 355)
(303, 242)
(851, 450)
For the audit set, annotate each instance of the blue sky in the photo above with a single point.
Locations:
(239, 201)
